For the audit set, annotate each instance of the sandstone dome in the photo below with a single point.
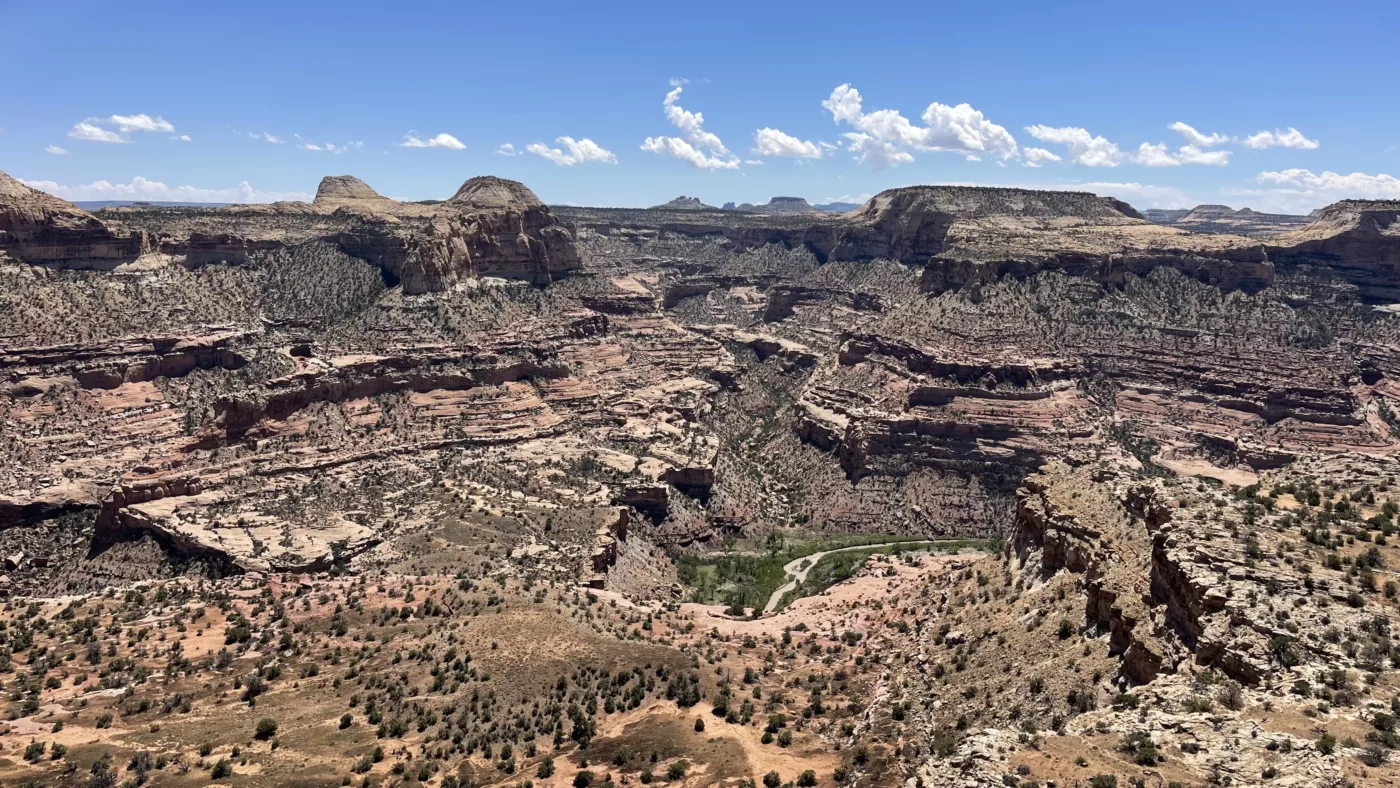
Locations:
(488, 191)
(335, 188)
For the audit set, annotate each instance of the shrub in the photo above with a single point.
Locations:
(34, 751)
(221, 770)
(699, 725)
(807, 779)
(772, 780)
(267, 728)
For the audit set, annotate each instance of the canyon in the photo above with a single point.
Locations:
(1181, 444)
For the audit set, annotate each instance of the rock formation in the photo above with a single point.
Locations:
(42, 229)
(1224, 219)
(491, 227)
(684, 203)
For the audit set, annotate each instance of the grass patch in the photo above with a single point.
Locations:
(838, 567)
(748, 573)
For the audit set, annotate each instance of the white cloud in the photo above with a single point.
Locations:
(1278, 138)
(507, 149)
(1300, 191)
(856, 198)
(1137, 194)
(1158, 156)
(265, 137)
(143, 122)
(412, 140)
(573, 152)
(92, 129)
(143, 189)
(754, 162)
(83, 130)
(1038, 156)
(884, 137)
(1196, 138)
(1084, 148)
(1190, 154)
(331, 147)
(690, 123)
(180, 137)
(55, 150)
(693, 137)
(1155, 155)
(680, 149)
(772, 142)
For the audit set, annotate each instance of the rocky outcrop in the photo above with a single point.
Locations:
(358, 377)
(783, 300)
(340, 188)
(1246, 269)
(41, 229)
(1224, 219)
(491, 227)
(776, 205)
(912, 224)
(684, 203)
(111, 364)
(1359, 240)
(1168, 580)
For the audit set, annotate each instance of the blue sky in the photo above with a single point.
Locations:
(1076, 89)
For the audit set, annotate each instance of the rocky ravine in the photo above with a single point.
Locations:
(905, 366)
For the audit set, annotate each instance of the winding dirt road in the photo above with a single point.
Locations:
(797, 571)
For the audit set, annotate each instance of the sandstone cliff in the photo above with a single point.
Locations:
(42, 229)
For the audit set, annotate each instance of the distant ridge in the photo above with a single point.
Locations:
(97, 205)
(1224, 219)
(684, 203)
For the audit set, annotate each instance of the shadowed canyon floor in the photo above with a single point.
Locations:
(484, 492)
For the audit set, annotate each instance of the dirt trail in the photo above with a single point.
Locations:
(797, 570)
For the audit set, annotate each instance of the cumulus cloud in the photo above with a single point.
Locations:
(1190, 154)
(1300, 191)
(694, 137)
(90, 132)
(1155, 156)
(680, 149)
(772, 142)
(1158, 156)
(143, 122)
(55, 150)
(96, 129)
(265, 137)
(1084, 148)
(573, 152)
(883, 138)
(180, 137)
(507, 149)
(1278, 138)
(1196, 138)
(142, 189)
(1038, 156)
(412, 140)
